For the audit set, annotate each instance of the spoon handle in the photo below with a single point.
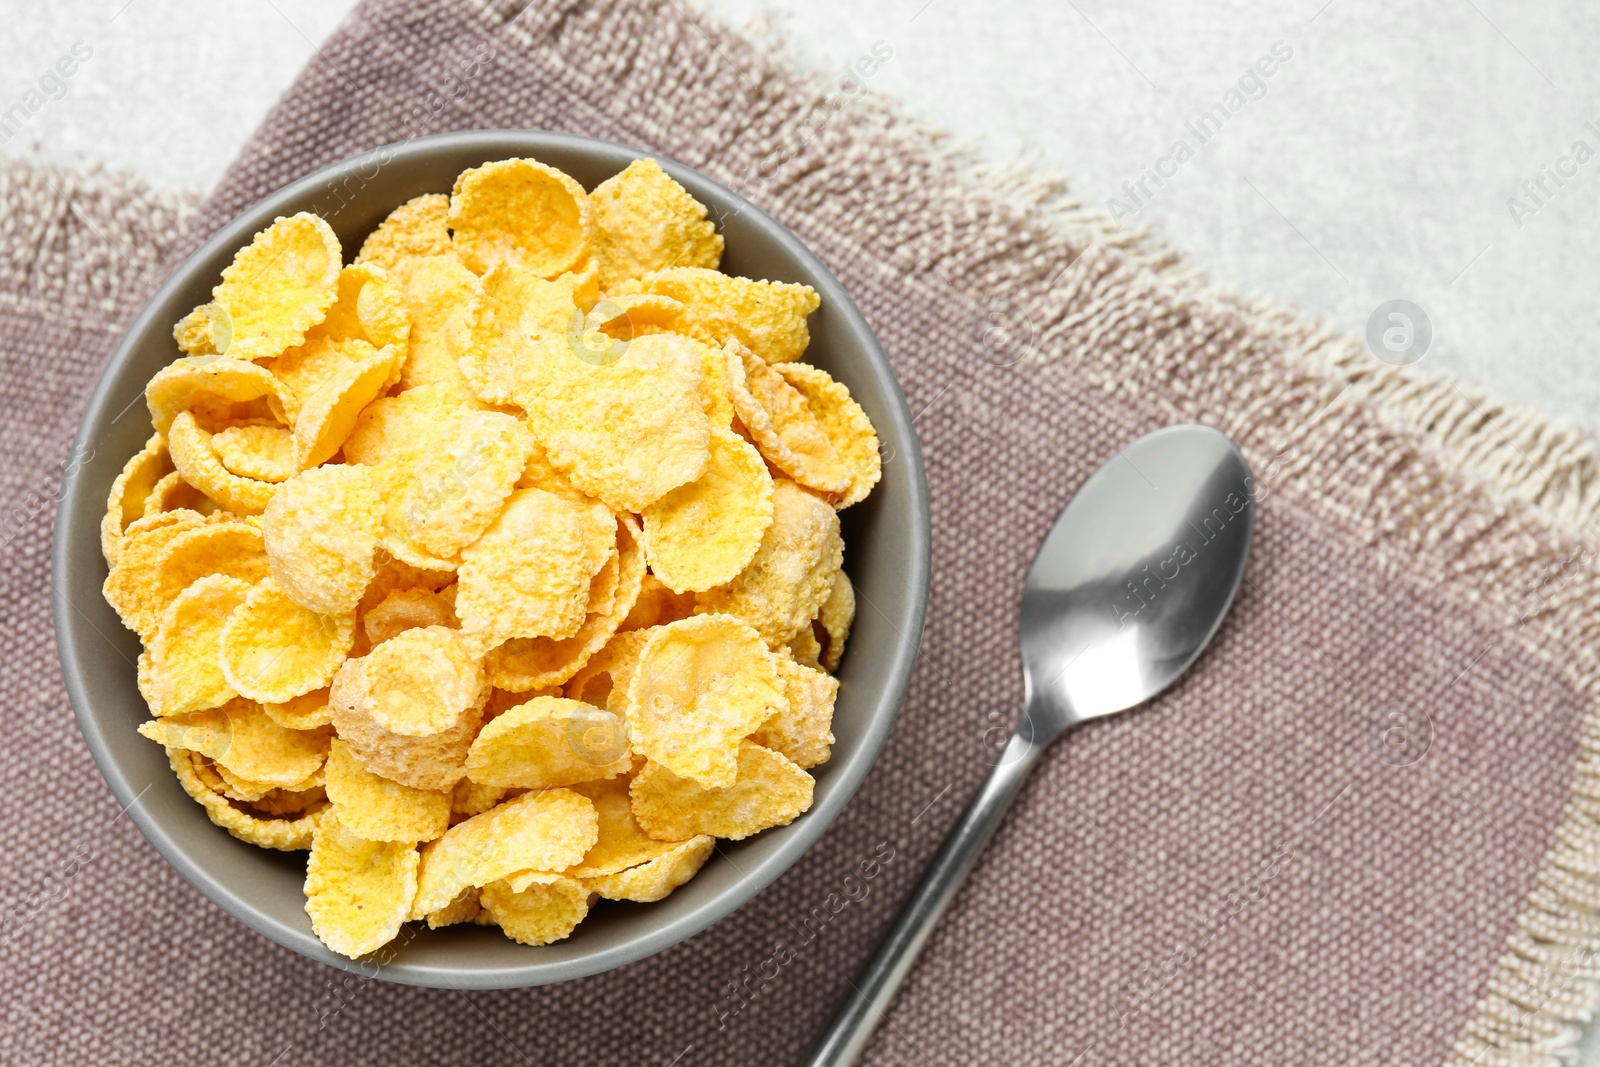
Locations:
(847, 1035)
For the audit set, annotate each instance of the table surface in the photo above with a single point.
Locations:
(1356, 152)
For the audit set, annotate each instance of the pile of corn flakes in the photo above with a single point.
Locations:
(500, 568)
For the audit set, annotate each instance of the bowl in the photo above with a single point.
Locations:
(886, 556)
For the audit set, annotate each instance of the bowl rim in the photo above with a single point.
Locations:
(846, 774)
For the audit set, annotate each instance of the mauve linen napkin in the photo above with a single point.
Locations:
(1361, 832)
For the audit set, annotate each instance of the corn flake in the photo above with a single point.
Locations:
(262, 751)
(524, 664)
(704, 533)
(522, 210)
(716, 389)
(845, 425)
(452, 495)
(783, 426)
(369, 314)
(130, 588)
(231, 548)
(415, 229)
(792, 572)
(320, 531)
(769, 318)
(205, 331)
(516, 311)
(369, 307)
(548, 909)
(622, 842)
(217, 389)
(302, 371)
(184, 674)
(400, 429)
(205, 787)
(139, 477)
(397, 541)
(328, 416)
(274, 650)
(547, 742)
(240, 737)
(439, 293)
(768, 790)
(279, 286)
(411, 707)
(358, 892)
(837, 614)
(378, 809)
(238, 788)
(529, 574)
(544, 831)
(655, 879)
(702, 686)
(628, 432)
(261, 451)
(645, 221)
(197, 462)
(802, 732)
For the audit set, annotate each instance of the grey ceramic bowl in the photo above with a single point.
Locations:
(886, 555)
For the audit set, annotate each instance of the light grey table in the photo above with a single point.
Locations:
(1426, 152)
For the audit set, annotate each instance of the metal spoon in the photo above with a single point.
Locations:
(1129, 586)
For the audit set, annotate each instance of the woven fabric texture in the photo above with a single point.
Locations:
(1256, 869)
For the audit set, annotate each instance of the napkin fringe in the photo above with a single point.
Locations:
(1549, 461)
(113, 228)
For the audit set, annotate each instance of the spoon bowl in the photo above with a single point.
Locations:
(1134, 577)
